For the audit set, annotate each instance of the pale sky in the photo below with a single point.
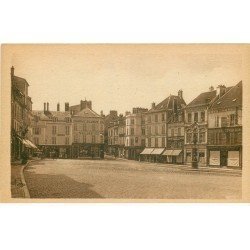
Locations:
(120, 77)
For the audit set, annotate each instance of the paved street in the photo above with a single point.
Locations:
(125, 179)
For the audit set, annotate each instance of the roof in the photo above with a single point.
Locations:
(87, 113)
(47, 115)
(20, 83)
(205, 98)
(232, 98)
(168, 103)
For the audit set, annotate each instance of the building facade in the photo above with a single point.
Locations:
(225, 129)
(68, 134)
(135, 138)
(21, 107)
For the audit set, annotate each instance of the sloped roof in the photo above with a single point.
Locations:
(204, 98)
(20, 83)
(48, 115)
(87, 113)
(168, 103)
(232, 98)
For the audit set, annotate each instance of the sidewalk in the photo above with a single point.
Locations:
(185, 168)
(18, 184)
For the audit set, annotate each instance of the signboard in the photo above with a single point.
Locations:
(233, 158)
(214, 159)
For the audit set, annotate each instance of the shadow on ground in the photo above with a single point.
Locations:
(57, 186)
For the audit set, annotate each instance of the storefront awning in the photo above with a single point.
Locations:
(147, 151)
(157, 151)
(31, 144)
(26, 144)
(168, 152)
(176, 152)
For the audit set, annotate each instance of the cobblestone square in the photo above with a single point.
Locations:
(123, 179)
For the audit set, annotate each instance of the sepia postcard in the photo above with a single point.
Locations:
(125, 123)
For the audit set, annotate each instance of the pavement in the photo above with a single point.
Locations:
(126, 179)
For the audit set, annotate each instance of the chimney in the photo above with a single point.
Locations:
(101, 113)
(47, 106)
(66, 106)
(127, 113)
(113, 113)
(58, 106)
(12, 71)
(44, 106)
(211, 88)
(220, 91)
(153, 105)
(180, 93)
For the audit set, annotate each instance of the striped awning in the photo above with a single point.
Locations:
(176, 152)
(147, 151)
(168, 152)
(157, 151)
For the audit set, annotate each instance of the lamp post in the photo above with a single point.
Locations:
(194, 150)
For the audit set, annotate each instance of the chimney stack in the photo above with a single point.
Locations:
(12, 71)
(101, 113)
(221, 90)
(211, 88)
(66, 106)
(180, 93)
(153, 105)
(47, 106)
(58, 106)
(44, 106)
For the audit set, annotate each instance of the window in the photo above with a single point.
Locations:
(156, 130)
(172, 132)
(189, 137)
(163, 117)
(54, 119)
(179, 131)
(67, 130)
(36, 131)
(149, 142)
(132, 121)
(75, 139)
(223, 121)
(143, 131)
(68, 119)
(143, 142)
(232, 119)
(189, 117)
(156, 142)
(149, 130)
(93, 139)
(156, 118)
(67, 140)
(84, 138)
(202, 116)
(136, 139)
(53, 130)
(163, 129)
(132, 131)
(196, 116)
(75, 127)
(54, 140)
(93, 127)
(132, 141)
(202, 136)
(216, 121)
(163, 142)
(149, 119)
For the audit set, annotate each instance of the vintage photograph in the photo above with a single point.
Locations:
(132, 121)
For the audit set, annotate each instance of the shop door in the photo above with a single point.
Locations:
(223, 158)
(174, 159)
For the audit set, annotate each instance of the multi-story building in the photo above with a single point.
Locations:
(196, 124)
(116, 137)
(157, 119)
(21, 107)
(69, 134)
(135, 133)
(225, 129)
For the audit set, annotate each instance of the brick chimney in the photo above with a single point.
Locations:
(47, 106)
(66, 106)
(180, 93)
(221, 90)
(12, 70)
(44, 107)
(211, 88)
(153, 105)
(58, 106)
(85, 104)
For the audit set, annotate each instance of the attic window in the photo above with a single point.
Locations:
(234, 100)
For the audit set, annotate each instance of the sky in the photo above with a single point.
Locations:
(120, 77)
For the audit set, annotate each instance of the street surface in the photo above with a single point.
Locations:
(63, 178)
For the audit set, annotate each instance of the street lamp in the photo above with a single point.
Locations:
(194, 149)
